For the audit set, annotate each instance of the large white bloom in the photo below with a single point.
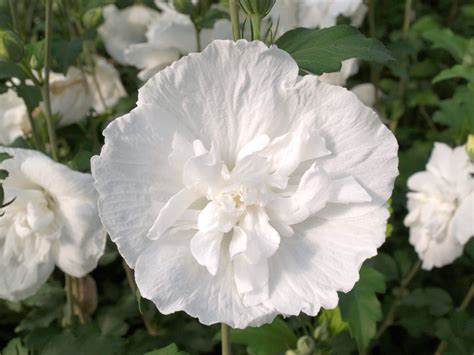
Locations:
(53, 221)
(169, 37)
(290, 14)
(441, 206)
(122, 28)
(238, 190)
(14, 121)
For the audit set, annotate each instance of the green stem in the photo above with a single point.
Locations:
(389, 320)
(465, 302)
(256, 21)
(406, 18)
(374, 75)
(234, 18)
(45, 89)
(34, 133)
(69, 301)
(13, 15)
(133, 287)
(198, 38)
(225, 336)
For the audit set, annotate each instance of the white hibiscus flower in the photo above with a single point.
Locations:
(365, 92)
(441, 206)
(52, 221)
(238, 190)
(69, 95)
(107, 87)
(316, 13)
(74, 94)
(14, 121)
(122, 28)
(169, 37)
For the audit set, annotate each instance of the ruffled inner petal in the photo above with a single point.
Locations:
(206, 249)
(172, 211)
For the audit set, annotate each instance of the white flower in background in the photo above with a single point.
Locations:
(168, 38)
(441, 206)
(365, 92)
(74, 94)
(238, 190)
(290, 14)
(106, 88)
(70, 96)
(53, 221)
(122, 28)
(14, 121)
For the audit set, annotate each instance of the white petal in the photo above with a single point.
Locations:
(14, 121)
(222, 110)
(255, 145)
(21, 280)
(214, 217)
(360, 145)
(172, 211)
(432, 252)
(324, 256)
(168, 274)
(462, 224)
(424, 181)
(206, 249)
(135, 153)
(106, 88)
(311, 195)
(238, 243)
(262, 239)
(366, 93)
(251, 280)
(347, 190)
(83, 237)
(290, 150)
(121, 28)
(150, 59)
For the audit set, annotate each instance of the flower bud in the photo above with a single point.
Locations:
(11, 47)
(470, 147)
(92, 18)
(257, 7)
(305, 345)
(321, 332)
(184, 6)
(291, 352)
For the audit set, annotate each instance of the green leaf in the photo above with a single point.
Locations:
(361, 309)
(436, 300)
(333, 320)
(447, 40)
(10, 70)
(322, 51)
(14, 347)
(268, 339)
(386, 265)
(4, 156)
(457, 112)
(458, 71)
(209, 20)
(3, 174)
(31, 95)
(457, 331)
(171, 349)
(65, 53)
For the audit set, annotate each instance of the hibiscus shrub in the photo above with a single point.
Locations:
(300, 172)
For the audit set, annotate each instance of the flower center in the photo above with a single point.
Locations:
(29, 224)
